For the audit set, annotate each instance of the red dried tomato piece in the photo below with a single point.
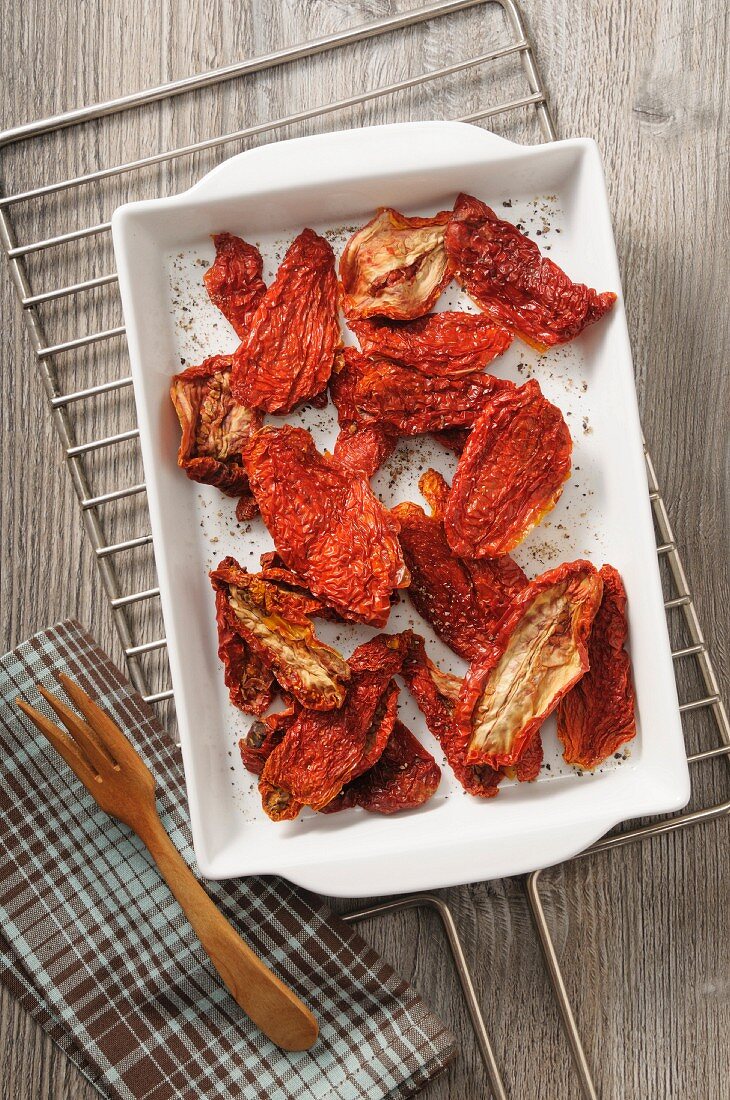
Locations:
(405, 776)
(381, 391)
(362, 449)
(263, 736)
(511, 473)
(322, 752)
(250, 682)
(527, 768)
(539, 652)
(447, 344)
(273, 569)
(215, 428)
(462, 600)
(326, 524)
(597, 716)
(395, 266)
(275, 624)
(233, 280)
(286, 357)
(436, 695)
(503, 272)
(452, 439)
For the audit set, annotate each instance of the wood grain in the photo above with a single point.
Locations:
(642, 934)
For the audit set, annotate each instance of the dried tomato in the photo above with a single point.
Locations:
(326, 524)
(452, 439)
(381, 391)
(539, 652)
(436, 695)
(447, 344)
(510, 474)
(503, 272)
(214, 427)
(275, 624)
(233, 280)
(250, 682)
(362, 449)
(462, 600)
(322, 752)
(264, 735)
(597, 716)
(395, 266)
(287, 354)
(527, 768)
(405, 776)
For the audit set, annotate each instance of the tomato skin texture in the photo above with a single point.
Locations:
(511, 472)
(462, 608)
(448, 344)
(381, 391)
(215, 428)
(503, 272)
(405, 776)
(327, 526)
(287, 353)
(395, 266)
(274, 622)
(233, 280)
(250, 682)
(263, 736)
(598, 715)
(321, 752)
(362, 449)
(428, 689)
(538, 654)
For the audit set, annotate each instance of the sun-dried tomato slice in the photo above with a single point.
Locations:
(362, 449)
(597, 716)
(462, 600)
(264, 735)
(527, 768)
(326, 524)
(452, 439)
(512, 471)
(287, 354)
(215, 428)
(233, 280)
(539, 653)
(395, 266)
(250, 682)
(322, 752)
(275, 624)
(447, 344)
(436, 695)
(381, 391)
(503, 272)
(405, 776)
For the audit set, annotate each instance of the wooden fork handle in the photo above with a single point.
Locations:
(265, 999)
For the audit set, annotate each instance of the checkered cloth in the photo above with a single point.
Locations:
(97, 950)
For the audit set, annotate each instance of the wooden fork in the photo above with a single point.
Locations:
(103, 759)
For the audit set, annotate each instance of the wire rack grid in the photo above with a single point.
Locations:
(507, 75)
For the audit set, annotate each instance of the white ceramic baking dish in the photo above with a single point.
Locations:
(334, 182)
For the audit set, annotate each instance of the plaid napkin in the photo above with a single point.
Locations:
(97, 950)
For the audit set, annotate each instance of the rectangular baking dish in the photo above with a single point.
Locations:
(333, 183)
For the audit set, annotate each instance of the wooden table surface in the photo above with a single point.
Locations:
(642, 934)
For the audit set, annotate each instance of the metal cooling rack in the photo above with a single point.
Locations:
(52, 292)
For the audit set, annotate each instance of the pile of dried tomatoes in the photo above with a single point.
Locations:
(556, 642)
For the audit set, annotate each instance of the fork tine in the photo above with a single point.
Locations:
(94, 751)
(63, 744)
(106, 730)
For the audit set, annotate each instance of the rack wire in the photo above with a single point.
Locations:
(508, 73)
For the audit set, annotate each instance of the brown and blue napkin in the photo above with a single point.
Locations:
(94, 946)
